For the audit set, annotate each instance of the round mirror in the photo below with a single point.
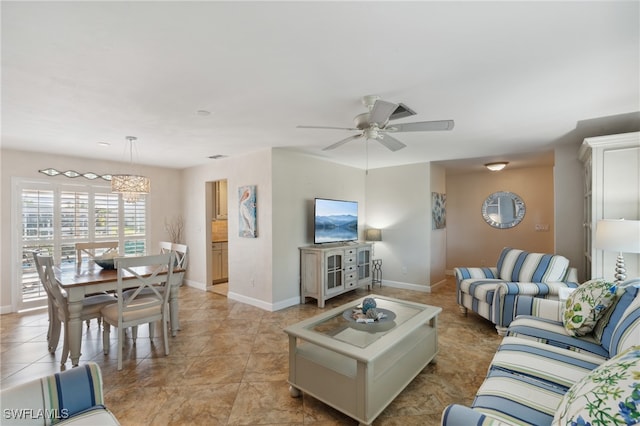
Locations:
(503, 209)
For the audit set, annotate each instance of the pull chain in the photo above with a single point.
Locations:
(366, 150)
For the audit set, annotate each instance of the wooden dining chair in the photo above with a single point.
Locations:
(54, 322)
(91, 305)
(165, 246)
(182, 255)
(146, 303)
(181, 260)
(94, 249)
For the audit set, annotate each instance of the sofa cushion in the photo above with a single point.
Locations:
(521, 266)
(553, 333)
(619, 327)
(585, 306)
(610, 394)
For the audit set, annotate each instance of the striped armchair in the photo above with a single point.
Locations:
(491, 292)
(543, 375)
(71, 397)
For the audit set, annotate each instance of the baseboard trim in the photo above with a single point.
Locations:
(271, 307)
(407, 286)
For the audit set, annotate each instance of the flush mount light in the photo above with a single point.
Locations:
(495, 167)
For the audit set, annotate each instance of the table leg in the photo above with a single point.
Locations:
(75, 329)
(173, 304)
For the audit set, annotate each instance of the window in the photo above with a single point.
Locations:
(55, 216)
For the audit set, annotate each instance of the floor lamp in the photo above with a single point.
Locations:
(619, 235)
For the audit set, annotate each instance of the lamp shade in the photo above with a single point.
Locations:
(373, 234)
(618, 235)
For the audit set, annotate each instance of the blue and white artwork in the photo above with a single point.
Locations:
(247, 212)
(438, 210)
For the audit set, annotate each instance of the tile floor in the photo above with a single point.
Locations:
(228, 364)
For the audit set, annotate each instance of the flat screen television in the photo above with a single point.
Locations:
(335, 221)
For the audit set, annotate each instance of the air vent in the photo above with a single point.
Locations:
(217, 156)
(401, 112)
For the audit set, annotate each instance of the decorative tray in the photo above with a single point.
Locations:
(389, 316)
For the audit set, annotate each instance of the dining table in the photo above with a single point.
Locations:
(90, 278)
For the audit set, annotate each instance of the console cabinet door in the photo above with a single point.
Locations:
(334, 270)
(364, 263)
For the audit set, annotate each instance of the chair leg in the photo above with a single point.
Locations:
(165, 329)
(106, 331)
(55, 334)
(134, 333)
(120, 344)
(152, 330)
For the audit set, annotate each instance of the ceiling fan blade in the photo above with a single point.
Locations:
(342, 142)
(326, 127)
(391, 143)
(381, 112)
(421, 126)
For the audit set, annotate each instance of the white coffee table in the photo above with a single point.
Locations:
(358, 368)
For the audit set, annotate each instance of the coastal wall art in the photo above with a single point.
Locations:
(247, 211)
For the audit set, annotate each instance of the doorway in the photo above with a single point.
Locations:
(218, 240)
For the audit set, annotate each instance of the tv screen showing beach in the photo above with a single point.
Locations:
(335, 221)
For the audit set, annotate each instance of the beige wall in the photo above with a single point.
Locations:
(399, 202)
(438, 236)
(471, 241)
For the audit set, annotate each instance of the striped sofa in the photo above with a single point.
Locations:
(71, 397)
(538, 362)
(491, 291)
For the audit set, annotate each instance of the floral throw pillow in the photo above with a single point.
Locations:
(585, 306)
(609, 395)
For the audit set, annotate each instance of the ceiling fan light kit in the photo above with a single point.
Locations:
(375, 124)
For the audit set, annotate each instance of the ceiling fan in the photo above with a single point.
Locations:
(375, 124)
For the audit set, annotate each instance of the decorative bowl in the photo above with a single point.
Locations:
(105, 263)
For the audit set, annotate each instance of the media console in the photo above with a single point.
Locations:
(332, 269)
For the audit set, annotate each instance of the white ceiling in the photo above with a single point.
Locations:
(515, 76)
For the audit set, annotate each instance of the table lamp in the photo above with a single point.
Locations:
(373, 234)
(619, 235)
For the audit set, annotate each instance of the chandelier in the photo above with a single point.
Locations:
(130, 186)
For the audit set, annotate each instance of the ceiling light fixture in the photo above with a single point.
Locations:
(496, 167)
(131, 186)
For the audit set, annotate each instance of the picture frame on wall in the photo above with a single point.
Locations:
(247, 223)
(438, 210)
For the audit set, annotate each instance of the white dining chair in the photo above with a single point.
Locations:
(146, 300)
(94, 249)
(165, 246)
(182, 255)
(91, 305)
(181, 260)
(54, 322)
